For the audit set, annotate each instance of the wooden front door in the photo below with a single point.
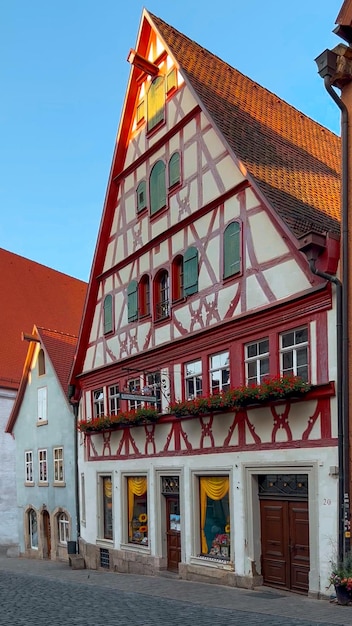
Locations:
(47, 535)
(285, 544)
(173, 532)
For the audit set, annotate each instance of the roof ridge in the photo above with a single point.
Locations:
(254, 82)
(57, 332)
(52, 269)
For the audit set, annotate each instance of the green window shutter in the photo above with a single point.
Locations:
(174, 169)
(108, 314)
(132, 301)
(157, 187)
(232, 259)
(141, 195)
(156, 102)
(190, 271)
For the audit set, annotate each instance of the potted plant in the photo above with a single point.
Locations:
(341, 578)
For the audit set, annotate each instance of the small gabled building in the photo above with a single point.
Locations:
(207, 357)
(32, 293)
(42, 423)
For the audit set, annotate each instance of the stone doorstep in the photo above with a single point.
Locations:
(76, 561)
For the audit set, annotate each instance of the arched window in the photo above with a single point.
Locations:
(177, 278)
(63, 528)
(141, 196)
(174, 169)
(108, 326)
(144, 296)
(41, 363)
(156, 102)
(157, 187)
(162, 303)
(232, 249)
(132, 301)
(33, 529)
(190, 271)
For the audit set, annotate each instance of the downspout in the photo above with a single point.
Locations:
(343, 474)
(75, 408)
(345, 305)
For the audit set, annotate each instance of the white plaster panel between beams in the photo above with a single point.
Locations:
(177, 243)
(143, 330)
(251, 199)
(178, 381)
(225, 297)
(159, 226)
(88, 361)
(255, 294)
(229, 172)
(126, 274)
(99, 355)
(286, 279)
(189, 131)
(162, 334)
(188, 103)
(130, 208)
(214, 146)
(109, 256)
(270, 246)
(161, 257)
(210, 188)
(174, 143)
(190, 161)
(108, 284)
(231, 209)
(141, 171)
(95, 325)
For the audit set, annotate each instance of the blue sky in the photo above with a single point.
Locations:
(63, 79)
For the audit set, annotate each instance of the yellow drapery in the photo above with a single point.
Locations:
(137, 486)
(215, 488)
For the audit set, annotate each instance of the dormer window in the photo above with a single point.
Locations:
(156, 102)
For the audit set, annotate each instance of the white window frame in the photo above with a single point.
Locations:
(258, 359)
(219, 370)
(28, 466)
(294, 349)
(42, 404)
(193, 377)
(135, 386)
(43, 465)
(63, 528)
(58, 462)
(98, 402)
(114, 399)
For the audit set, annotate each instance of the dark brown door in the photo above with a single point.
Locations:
(173, 532)
(285, 544)
(47, 535)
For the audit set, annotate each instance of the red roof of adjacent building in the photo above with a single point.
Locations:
(33, 294)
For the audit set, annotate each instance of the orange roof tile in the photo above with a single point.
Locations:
(294, 161)
(33, 294)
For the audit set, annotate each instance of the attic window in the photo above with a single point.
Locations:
(41, 363)
(156, 102)
(140, 112)
(141, 196)
(171, 80)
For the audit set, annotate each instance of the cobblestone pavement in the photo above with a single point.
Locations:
(51, 594)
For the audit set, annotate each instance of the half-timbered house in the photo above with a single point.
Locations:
(202, 306)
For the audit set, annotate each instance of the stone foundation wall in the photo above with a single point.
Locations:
(129, 562)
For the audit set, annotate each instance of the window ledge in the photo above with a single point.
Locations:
(107, 543)
(133, 547)
(29, 484)
(59, 483)
(43, 483)
(210, 561)
(42, 422)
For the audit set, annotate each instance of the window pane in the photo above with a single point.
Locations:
(107, 507)
(288, 340)
(264, 367)
(264, 346)
(252, 350)
(287, 360)
(301, 335)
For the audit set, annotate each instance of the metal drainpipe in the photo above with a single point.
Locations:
(345, 297)
(78, 512)
(340, 414)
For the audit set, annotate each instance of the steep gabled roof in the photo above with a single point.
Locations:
(60, 348)
(293, 160)
(33, 293)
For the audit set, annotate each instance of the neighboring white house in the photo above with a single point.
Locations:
(32, 293)
(198, 295)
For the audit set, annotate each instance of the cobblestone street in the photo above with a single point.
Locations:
(50, 594)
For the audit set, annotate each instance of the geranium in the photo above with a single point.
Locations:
(133, 417)
(270, 389)
(341, 574)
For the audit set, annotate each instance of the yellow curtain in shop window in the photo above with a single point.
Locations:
(137, 486)
(215, 488)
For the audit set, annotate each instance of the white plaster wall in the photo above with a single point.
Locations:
(8, 497)
(323, 500)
